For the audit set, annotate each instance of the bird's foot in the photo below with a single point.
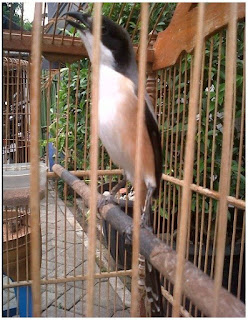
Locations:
(129, 230)
(128, 235)
(106, 200)
(144, 222)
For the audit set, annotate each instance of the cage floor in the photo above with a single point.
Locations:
(61, 230)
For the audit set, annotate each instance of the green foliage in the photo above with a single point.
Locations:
(16, 14)
(209, 135)
(209, 119)
(120, 12)
(71, 113)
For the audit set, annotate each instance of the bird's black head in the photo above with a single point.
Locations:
(115, 42)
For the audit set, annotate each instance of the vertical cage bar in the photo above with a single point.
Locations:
(178, 114)
(130, 15)
(111, 10)
(236, 211)
(94, 156)
(138, 157)
(156, 23)
(158, 103)
(34, 153)
(86, 115)
(22, 10)
(56, 189)
(166, 191)
(27, 114)
(44, 17)
(22, 114)
(48, 108)
(224, 185)
(154, 5)
(6, 109)
(135, 29)
(10, 21)
(17, 109)
(197, 220)
(121, 12)
(56, 20)
(242, 248)
(189, 159)
(63, 33)
(171, 189)
(213, 149)
(242, 131)
(183, 118)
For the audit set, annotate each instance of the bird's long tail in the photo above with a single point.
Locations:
(152, 277)
(153, 290)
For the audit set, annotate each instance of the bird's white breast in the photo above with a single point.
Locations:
(110, 94)
(114, 90)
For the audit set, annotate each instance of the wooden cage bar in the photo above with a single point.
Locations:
(189, 158)
(225, 160)
(34, 156)
(138, 160)
(94, 155)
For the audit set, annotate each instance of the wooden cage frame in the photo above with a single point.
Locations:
(189, 28)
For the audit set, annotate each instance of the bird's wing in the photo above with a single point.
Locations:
(155, 139)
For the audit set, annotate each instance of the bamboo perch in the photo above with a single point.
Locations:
(197, 286)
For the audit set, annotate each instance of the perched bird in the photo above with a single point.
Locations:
(118, 86)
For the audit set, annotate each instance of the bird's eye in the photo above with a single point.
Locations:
(104, 30)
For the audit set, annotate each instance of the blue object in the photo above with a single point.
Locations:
(10, 312)
(51, 152)
(24, 302)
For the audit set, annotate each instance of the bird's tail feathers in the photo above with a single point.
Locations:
(153, 290)
(152, 282)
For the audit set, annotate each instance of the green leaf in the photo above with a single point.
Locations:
(239, 81)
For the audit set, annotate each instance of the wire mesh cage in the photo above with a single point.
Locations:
(72, 260)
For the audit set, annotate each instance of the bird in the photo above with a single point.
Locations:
(117, 116)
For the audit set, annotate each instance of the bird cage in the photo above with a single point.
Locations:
(191, 61)
(16, 114)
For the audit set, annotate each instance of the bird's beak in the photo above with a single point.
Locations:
(83, 20)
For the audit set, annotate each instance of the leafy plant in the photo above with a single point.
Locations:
(15, 13)
(207, 160)
(71, 109)
(120, 12)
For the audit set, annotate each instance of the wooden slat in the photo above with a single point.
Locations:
(226, 153)
(189, 162)
(52, 48)
(181, 33)
(35, 94)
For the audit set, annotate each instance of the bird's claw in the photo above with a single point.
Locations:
(128, 235)
(106, 200)
(143, 222)
(129, 230)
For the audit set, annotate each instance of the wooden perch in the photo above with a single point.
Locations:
(197, 286)
(180, 35)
